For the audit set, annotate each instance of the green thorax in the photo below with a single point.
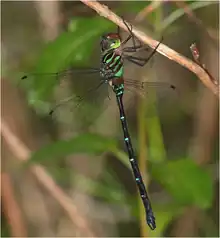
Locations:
(116, 69)
(114, 62)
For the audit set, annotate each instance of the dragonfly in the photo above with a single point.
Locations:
(114, 52)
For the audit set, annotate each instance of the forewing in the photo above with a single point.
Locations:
(65, 84)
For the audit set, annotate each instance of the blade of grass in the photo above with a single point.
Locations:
(179, 13)
(142, 160)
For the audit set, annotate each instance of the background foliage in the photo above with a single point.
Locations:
(89, 158)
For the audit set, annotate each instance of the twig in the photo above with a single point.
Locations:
(11, 208)
(192, 17)
(103, 10)
(203, 140)
(23, 153)
(147, 10)
(196, 56)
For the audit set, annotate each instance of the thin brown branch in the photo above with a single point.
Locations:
(147, 10)
(192, 17)
(203, 140)
(196, 56)
(11, 208)
(104, 11)
(23, 153)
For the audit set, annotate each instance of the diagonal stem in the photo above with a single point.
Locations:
(171, 54)
(23, 153)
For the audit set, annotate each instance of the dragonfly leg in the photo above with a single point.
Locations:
(137, 61)
(135, 49)
(131, 34)
(141, 61)
(125, 41)
(118, 31)
(139, 47)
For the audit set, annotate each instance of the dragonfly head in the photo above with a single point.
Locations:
(110, 41)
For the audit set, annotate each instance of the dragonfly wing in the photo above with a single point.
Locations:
(41, 86)
(45, 81)
(154, 93)
(145, 89)
(87, 94)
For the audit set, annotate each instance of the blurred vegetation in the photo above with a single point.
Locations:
(177, 179)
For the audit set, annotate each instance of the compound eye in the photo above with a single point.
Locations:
(104, 44)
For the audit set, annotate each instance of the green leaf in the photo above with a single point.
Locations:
(123, 157)
(60, 174)
(85, 143)
(163, 215)
(110, 190)
(157, 150)
(187, 182)
(135, 6)
(74, 46)
(69, 48)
